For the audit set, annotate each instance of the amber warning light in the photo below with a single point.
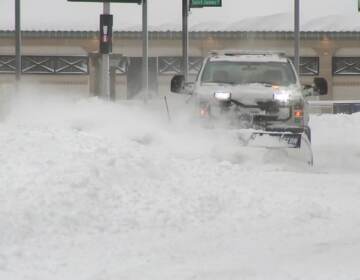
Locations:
(299, 113)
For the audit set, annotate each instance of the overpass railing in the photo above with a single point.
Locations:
(55, 65)
(79, 65)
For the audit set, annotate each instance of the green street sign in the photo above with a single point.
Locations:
(206, 3)
(109, 1)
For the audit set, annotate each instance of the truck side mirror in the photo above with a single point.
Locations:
(321, 86)
(178, 84)
(307, 90)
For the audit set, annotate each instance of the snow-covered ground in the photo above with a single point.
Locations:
(96, 191)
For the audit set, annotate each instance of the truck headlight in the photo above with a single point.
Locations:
(222, 96)
(282, 96)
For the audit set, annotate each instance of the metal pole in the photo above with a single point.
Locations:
(106, 62)
(145, 61)
(17, 40)
(297, 35)
(185, 39)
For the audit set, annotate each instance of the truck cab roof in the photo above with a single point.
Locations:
(248, 56)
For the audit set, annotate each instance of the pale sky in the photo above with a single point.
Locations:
(61, 14)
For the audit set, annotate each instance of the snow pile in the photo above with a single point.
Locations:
(98, 191)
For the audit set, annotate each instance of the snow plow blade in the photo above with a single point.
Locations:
(271, 139)
(280, 140)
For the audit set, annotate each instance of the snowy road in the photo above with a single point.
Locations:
(96, 191)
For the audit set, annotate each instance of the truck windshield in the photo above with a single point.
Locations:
(234, 72)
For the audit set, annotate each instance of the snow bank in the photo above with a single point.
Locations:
(99, 191)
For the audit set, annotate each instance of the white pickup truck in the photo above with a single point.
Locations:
(254, 90)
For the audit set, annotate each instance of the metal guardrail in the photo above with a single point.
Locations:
(335, 106)
(170, 65)
(309, 66)
(56, 65)
(79, 65)
(346, 66)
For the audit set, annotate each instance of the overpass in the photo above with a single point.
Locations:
(329, 50)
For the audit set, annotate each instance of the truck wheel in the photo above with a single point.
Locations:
(307, 131)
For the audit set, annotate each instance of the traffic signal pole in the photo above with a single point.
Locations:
(106, 62)
(105, 49)
(145, 62)
(18, 40)
(185, 39)
(297, 35)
